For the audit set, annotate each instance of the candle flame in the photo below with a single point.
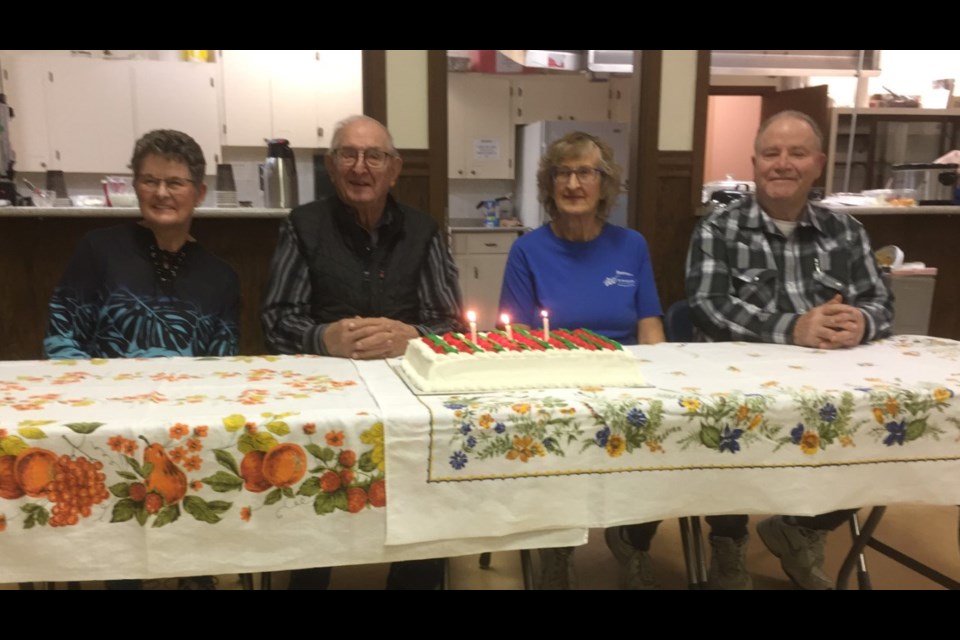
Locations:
(504, 318)
(472, 316)
(543, 313)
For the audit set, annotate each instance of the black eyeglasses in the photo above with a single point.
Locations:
(350, 156)
(585, 175)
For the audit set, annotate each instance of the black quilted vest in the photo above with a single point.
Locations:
(350, 277)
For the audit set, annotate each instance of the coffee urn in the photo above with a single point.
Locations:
(280, 176)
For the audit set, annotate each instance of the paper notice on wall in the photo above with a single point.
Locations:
(486, 149)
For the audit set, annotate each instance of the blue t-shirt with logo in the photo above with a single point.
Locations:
(605, 285)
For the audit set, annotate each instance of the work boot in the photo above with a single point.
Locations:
(728, 564)
(556, 569)
(800, 551)
(636, 568)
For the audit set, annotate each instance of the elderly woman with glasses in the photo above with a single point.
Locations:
(587, 273)
(147, 288)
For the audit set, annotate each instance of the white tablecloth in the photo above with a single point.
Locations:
(725, 428)
(219, 465)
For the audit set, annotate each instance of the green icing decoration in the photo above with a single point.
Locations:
(526, 334)
(437, 340)
(603, 342)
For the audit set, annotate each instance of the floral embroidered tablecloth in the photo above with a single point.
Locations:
(725, 428)
(168, 467)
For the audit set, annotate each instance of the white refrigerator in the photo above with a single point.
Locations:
(532, 142)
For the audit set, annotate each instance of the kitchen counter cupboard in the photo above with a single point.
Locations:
(294, 94)
(83, 115)
(484, 109)
(481, 257)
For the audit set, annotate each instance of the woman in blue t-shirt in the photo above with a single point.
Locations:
(592, 274)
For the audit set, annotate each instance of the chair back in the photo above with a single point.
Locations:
(677, 324)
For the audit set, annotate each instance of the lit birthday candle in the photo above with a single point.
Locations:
(505, 321)
(472, 319)
(546, 324)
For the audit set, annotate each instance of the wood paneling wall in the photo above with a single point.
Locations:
(669, 225)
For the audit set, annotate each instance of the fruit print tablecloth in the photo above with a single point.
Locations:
(170, 467)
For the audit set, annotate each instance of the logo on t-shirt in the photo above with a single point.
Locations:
(620, 279)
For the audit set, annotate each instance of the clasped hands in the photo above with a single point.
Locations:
(368, 338)
(832, 325)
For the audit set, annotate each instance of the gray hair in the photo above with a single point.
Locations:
(343, 124)
(789, 113)
(170, 145)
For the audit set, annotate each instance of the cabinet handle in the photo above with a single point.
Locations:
(460, 171)
(319, 132)
(58, 155)
(489, 244)
(472, 172)
(476, 273)
(211, 82)
(43, 164)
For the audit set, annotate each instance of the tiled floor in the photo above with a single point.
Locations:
(929, 534)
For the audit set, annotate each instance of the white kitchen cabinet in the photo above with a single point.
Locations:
(481, 258)
(339, 91)
(246, 96)
(181, 96)
(24, 81)
(294, 94)
(90, 114)
(560, 97)
(72, 114)
(480, 133)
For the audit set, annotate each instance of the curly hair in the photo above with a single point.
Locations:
(170, 145)
(570, 147)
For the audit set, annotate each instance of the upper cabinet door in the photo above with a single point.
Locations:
(298, 94)
(293, 81)
(24, 81)
(479, 130)
(246, 96)
(339, 92)
(181, 96)
(560, 97)
(90, 112)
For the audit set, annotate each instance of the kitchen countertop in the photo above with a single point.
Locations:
(888, 211)
(878, 211)
(134, 212)
(476, 224)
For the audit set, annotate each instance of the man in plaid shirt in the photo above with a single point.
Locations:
(780, 269)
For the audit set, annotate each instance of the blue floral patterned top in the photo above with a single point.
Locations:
(110, 303)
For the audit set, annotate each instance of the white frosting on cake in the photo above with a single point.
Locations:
(495, 370)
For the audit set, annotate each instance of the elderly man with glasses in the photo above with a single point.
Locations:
(357, 275)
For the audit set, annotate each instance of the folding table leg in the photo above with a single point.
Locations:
(694, 558)
(526, 567)
(698, 551)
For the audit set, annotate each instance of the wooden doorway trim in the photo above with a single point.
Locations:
(437, 133)
(375, 84)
